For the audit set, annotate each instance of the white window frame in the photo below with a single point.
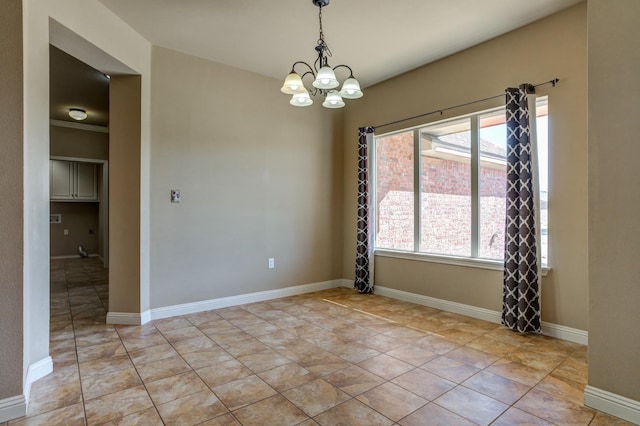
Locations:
(472, 261)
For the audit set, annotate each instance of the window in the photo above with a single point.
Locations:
(440, 189)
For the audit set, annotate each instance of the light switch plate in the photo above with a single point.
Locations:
(175, 195)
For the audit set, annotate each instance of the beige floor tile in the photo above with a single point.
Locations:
(472, 405)
(163, 368)
(554, 410)
(182, 333)
(59, 377)
(436, 344)
(354, 380)
(392, 401)
(52, 398)
(143, 341)
(434, 415)
(192, 409)
(274, 411)
(424, 384)
(206, 357)
(222, 373)
(287, 376)
(355, 352)
(352, 412)
(109, 349)
(516, 371)
(471, 356)
(321, 363)
(106, 365)
(572, 370)
(562, 388)
(72, 415)
(174, 387)
(118, 404)
(193, 344)
(602, 419)
(450, 369)
(64, 359)
(167, 324)
(382, 343)
(263, 361)
(539, 361)
(497, 387)
(513, 416)
(412, 354)
(316, 396)
(223, 420)
(152, 353)
(244, 347)
(243, 392)
(386, 366)
(97, 385)
(342, 330)
(148, 417)
(489, 344)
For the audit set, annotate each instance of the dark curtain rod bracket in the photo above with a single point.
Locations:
(552, 82)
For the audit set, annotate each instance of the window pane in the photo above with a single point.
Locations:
(492, 185)
(543, 165)
(394, 191)
(446, 188)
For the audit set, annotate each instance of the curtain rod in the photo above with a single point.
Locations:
(552, 82)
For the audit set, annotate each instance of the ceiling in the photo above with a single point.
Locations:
(74, 84)
(378, 39)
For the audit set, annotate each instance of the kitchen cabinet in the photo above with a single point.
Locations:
(73, 181)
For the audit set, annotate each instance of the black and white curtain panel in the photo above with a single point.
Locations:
(364, 243)
(521, 291)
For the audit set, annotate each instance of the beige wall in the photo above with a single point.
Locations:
(258, 177)
(11, 209)
(78, 219)
(69, 142)
(98, 37)
(124, 194)
(553, 47)
(614, 179)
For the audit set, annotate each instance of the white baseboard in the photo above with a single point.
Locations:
(225, 302)
(548, 329)
(611, 403)
(125, 318)
(37, 371)
(74, 256)
(16, 406)
(12, 408)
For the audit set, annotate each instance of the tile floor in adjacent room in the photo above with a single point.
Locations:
(331, 357)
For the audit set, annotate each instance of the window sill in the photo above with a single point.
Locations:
(494, 265)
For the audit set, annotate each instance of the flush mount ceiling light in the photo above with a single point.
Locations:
(77, 114)
(324, 77)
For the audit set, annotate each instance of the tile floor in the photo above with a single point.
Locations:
(329, 358)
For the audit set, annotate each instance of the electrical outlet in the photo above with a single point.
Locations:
(272, 263)
(175, 195)
(65, 232)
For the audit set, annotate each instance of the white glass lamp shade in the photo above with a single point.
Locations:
(333, 100)
(293, 85)
(77, 114)
(351, 89)
(326, 79)
(301, 99)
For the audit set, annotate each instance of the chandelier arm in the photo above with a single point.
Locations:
(345, 66)
(303, 63)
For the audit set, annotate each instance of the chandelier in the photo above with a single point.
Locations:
(324, 77)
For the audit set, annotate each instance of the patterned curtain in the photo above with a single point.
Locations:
(521, 291)
(364, 243)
